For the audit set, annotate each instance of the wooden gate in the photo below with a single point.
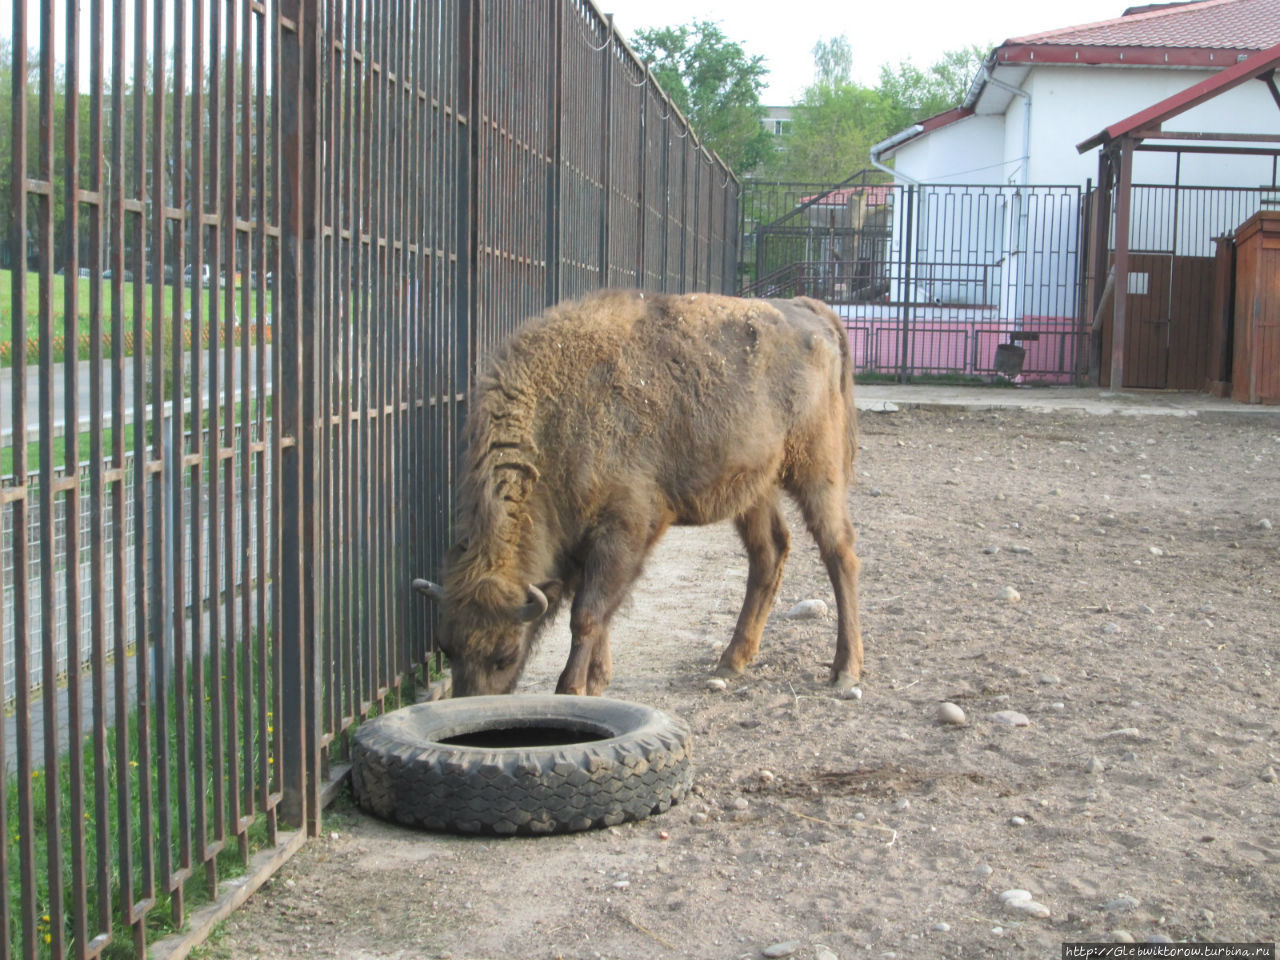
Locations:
(1169, 304)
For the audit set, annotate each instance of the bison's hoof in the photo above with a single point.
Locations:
(844, 682)
(727, 671)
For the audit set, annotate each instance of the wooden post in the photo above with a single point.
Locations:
(1123, 190)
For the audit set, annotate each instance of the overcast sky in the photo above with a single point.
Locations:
(784, 31)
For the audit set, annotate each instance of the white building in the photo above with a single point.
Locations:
(1037, 96)
(987, 230)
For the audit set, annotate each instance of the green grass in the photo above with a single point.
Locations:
(31, 323)
(196, 891)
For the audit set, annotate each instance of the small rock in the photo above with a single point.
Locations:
(942, 927)
(876, 492)
(825, 954)
(739, 803)
(1017, 821)
(1009, 595)
(1020, 549)
(1129, 757)
(1011, 896)
(1155, 551)
(784, 949)
(766, 776)
(1048, 678)
(1094, 766)
(1269, 775)
(808, 610)
(1010, 718)
(991, 550)
(983, 870)
(698, 817)
(1264, 524)
(903, 804)
(853, 693)
(1122, 936)
(1112, 627)
(716, 683)
(1030, 907)
(622, 885)
(1158, 938)
(1121, 904)
(1122, 732)
(949, 712)
(1145, 609)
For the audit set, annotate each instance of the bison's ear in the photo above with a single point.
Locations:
(432, 590)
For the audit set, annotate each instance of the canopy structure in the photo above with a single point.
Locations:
(1118, 143)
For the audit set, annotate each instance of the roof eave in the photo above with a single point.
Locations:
(1212, 58)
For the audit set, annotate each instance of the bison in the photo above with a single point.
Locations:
(607, 419)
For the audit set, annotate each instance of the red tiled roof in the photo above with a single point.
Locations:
(1218, 24)
(1210, 33)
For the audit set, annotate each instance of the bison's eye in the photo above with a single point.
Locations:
(503, 661)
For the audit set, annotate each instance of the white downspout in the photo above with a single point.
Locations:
(876, 151)
(1024, 164)
(901, 136)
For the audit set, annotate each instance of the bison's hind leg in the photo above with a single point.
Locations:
(826, 512)
(764, 534)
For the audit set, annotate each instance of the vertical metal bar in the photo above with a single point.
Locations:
(175, 479)
(196, 235)
(908, 295)
(298, 408)
(101, 802)
(219, 322)
(26, 907)
(71, 468)
(270, 732)
(48, 451)
(247, 501)
(606, 150)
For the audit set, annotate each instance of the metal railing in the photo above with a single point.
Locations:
(200, 604)
(951, 270)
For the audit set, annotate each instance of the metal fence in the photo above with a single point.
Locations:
(279, 237)
(931, 279)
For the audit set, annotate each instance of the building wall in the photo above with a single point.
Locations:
(1070, 104)
(967, 151)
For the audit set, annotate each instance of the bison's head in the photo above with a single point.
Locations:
(487, 633)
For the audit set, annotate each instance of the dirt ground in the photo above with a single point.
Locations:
(1140, 800)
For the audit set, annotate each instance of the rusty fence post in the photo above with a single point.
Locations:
(298, 410)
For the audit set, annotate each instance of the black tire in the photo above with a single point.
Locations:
(632, 761)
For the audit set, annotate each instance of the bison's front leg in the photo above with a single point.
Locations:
(590, 664)
(612, 563)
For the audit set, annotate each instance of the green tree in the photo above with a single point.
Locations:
(715, 84)
(833, 61)
(837, 121)
(913, 94)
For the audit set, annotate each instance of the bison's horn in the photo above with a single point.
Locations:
(536, 606)
(432, 590)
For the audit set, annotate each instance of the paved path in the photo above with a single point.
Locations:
(888, 397)
(83, 387)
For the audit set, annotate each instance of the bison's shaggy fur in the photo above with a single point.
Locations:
(607, 419)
